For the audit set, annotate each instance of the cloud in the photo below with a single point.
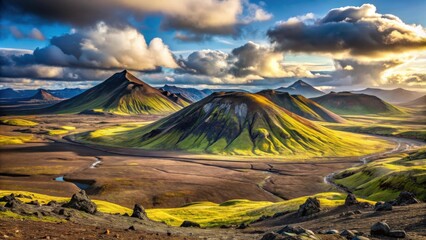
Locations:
(349, 32)
(358, 73)
(200, 17)
(251, 61)
(102, 47)
(412, 80)
(33, 34)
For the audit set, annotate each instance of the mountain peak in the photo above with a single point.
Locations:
(299, 83)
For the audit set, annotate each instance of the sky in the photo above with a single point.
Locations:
(239, 44)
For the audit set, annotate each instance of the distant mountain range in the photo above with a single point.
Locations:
(10, 93)
(353, 103)
(301, 106)
(397, 95)
(237, 123)
(301, 88)
(191, 94)
(122, 93)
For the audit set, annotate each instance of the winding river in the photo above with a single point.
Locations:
(402, 144)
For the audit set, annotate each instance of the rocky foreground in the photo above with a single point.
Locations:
(403, 218)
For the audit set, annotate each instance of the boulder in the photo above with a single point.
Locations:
(139, 212)
(273, 236)
(311, 206)
(406, 198)
(81, 201)
(360, 238)
(13, 203)
(380, 229)
(348, 234)
(383, 206)
(351, 200)
(397, 233)
(331, 231)
(34, 202)
(187, 223)
(52, 203)
(8, 198)
(290, 229)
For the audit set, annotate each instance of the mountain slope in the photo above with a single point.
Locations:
(301, 106)
(397, 95)
(301, 88)
(43, 95)
(351, 103)
(176, 98)
(122, 93)
(239, 124)
(421, 101)
(191, 94)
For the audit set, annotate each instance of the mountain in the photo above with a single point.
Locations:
(192, 94)
(397, 95)
(301, 88)
(421, 101)
(229, 90)
(352, 103)
(122, 93)
(9, 93)
(66, 92)
(301, 106)
(43, 95)
(239, 124)
(176, 98)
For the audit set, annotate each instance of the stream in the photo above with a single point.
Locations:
(403, 144)
(80, 184)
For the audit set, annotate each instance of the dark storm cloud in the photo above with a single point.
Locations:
(351, 31)
(200, 17)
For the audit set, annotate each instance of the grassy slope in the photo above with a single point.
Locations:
(301, 106)
(266, 130)
(399, 126)
(17, 139)
(122, 94)
(207, 214)
(19, 122)
(359, 104)
(383, 179)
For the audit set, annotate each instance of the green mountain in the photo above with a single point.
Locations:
(301, 106)
(352, 103)
(122, 93)
(236, 123)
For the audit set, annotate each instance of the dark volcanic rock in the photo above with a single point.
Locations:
(34, 202)
(380, 228)
(52, 203)
(139, 212)
(348, 234)
(405, 198)
(273, 236)
(311, 206)
(291, 229)
(13, 203)
(351, 200)
(383, 206)
(8, 198)
(187, 223)
(81, 201)
(397, 233)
